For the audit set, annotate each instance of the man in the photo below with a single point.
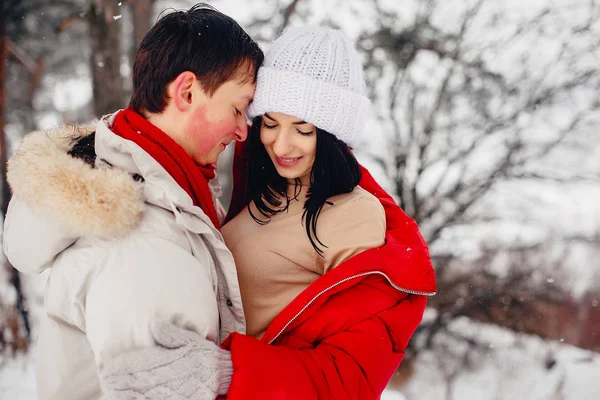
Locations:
(123, 213)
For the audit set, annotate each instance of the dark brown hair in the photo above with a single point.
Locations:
(201, 40)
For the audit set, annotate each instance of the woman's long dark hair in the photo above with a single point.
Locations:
(335, 171)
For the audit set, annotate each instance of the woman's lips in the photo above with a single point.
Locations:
(288, 161)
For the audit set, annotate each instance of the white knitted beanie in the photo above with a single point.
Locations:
(314, 74)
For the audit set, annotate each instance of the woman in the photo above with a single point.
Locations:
(333, 275)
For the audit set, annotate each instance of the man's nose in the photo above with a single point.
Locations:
(241, 133)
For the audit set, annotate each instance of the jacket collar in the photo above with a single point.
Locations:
(159, 188)
(100, 199)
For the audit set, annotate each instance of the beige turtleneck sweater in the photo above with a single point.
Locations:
(276, 261)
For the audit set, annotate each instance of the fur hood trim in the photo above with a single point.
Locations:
(83, 199)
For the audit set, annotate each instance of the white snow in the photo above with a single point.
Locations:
(17, 378)
(510, 367)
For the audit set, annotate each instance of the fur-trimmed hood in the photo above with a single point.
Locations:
(84, 199)
(84, 182)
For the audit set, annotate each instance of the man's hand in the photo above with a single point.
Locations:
(183, 365)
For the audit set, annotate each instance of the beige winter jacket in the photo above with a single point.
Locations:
(122, 251)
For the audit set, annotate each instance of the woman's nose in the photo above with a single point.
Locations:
(281, 145)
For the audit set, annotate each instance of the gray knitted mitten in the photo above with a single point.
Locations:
(183, 366)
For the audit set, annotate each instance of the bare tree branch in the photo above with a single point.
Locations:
(287, 14)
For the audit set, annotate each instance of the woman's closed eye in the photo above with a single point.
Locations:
(305, 133)
(265, 125)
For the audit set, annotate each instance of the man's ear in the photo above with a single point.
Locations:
(181, 90)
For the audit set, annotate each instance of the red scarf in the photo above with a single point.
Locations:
(191, 177)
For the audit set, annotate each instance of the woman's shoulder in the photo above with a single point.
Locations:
(358, 200)
(352, 223)
(356, 210)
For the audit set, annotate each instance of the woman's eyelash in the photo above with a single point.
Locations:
(297, 130)
(237, 112)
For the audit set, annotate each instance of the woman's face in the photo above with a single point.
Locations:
(291, 143)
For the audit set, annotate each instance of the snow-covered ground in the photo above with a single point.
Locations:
(507, 367)
(17, 378)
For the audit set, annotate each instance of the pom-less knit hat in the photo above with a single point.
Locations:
(314, 74)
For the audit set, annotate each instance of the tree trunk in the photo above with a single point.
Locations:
(3, 153)
(16, 315)
(3, 61)
(141, 16)
(105, 41)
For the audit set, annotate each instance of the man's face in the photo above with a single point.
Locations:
(217, 120)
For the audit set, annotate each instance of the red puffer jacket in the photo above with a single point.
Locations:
(345, 335)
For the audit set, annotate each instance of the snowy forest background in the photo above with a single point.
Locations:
(485, 128)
